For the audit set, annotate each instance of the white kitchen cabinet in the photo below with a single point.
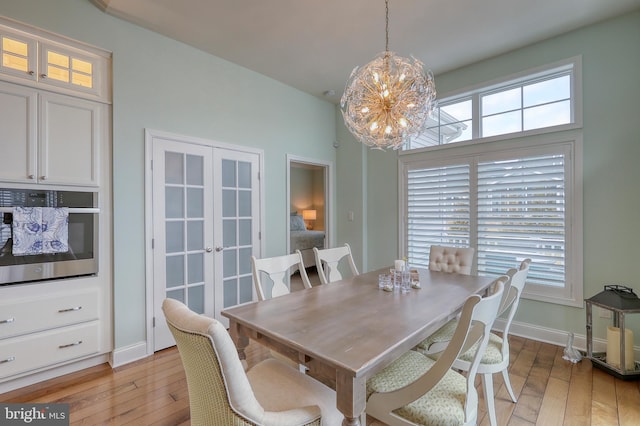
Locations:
(53, 64)
(69, 136)
(63, 323)
(49, 138)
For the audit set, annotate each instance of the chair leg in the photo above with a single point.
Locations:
(487, 388)
(507, 383)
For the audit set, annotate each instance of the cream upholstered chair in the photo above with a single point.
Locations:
(452, 260)
(416, 389)
(496, 356)
(221, 393)
(277, 268)
(328, 261)
(458, 260)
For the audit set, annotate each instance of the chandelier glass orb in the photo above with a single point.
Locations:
(387, 101)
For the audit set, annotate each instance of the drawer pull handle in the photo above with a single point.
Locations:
(77, 308)
(11, 358)
(79, 342)
(7, 321)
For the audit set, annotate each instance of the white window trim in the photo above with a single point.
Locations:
(473, 92)
(572, 293)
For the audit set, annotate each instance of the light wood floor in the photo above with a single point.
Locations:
(153, 391)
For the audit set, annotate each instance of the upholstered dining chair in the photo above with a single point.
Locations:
(452, 260)
(496, 356)
(277, 269)
(416, 389)
(221, 393)
(328, 261)
(458, 260)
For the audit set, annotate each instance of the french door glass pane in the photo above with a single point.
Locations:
(174, 205)
(195, 199)
(184, 183)
(175, 271)
(229, 232)
(175, 236)
(237, 193)
(195, 268)
(195, 170)
(173, 168)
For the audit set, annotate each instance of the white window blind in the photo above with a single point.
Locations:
(437, 210)
(521, 214)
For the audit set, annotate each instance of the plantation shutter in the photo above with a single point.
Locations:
(521, 214)
(438, 210)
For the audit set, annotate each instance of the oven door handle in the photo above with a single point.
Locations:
(71, 210)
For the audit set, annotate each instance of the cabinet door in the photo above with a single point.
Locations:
(18, 54)
(18, 124)
(70, 132)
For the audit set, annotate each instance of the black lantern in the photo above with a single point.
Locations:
(619, 359)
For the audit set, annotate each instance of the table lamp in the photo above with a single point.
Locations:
(309, 216)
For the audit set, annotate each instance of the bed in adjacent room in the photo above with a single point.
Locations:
(303, 239)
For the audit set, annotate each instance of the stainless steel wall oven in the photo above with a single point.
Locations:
(82, 255)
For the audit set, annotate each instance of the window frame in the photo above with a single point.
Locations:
(572, 65)
(571, 145)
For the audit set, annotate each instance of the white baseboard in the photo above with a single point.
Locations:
(46, 374)
(129, 354)
(555, 337)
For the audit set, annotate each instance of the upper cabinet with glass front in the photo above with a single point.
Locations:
(52, 65)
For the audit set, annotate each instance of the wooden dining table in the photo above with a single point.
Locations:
(350, 329)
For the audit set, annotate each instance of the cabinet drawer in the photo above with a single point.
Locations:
(39, 350)
(30, 315)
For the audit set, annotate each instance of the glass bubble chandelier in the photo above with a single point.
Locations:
(387, 101)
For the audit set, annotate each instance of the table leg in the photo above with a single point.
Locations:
(241, 341)
(351, 394)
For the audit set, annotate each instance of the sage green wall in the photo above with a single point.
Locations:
(611, 93)
(165, 85)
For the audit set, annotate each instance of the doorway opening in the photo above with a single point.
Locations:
(308, 206)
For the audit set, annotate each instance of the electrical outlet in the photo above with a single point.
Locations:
(604, 313)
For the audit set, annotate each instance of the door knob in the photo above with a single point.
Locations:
(219, 248)
(208, 249)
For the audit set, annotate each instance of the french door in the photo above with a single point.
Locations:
(206, 225)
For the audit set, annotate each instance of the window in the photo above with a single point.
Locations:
(514, 197)
(509, 204)
(535, 102)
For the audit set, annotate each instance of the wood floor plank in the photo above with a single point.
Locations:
(603, 399)
(628, 397)
(554, 403)
(578, 411)
(153, 391)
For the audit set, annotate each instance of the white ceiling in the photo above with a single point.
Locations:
(314, 44)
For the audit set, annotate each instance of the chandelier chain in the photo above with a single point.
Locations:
(386, 45)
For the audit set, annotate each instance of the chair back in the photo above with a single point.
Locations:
(473, 330)
(328, 260)
(458, 260)
(277, 269)
(511, 299)
(477, 336)
(219, 390)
